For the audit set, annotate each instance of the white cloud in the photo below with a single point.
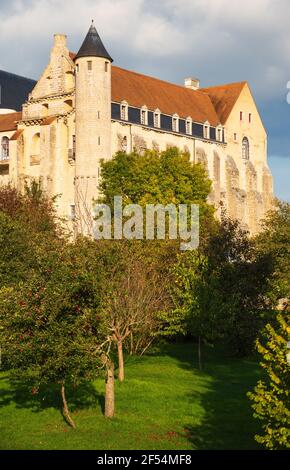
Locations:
(217, 40)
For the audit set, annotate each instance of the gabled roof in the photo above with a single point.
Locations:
(8, 121)
(93, 46)
(14, 90)
(224, 97)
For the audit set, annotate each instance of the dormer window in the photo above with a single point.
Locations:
(206, 130)
(157, 118)
(175, 123)
(124, 111)
(144, 116)
(219, 134)
(188, 126)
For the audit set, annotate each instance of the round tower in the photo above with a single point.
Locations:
(93, 123)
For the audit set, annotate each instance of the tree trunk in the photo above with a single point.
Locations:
(121, 373)
(199, 353)
(110, 391)
(65, 410)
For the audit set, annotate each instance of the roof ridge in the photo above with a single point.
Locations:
(243, 82)
(158, 79)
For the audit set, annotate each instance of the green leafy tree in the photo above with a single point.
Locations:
(153, 178)
(274, 239)
(196, 300)
(220, 289)
(50, 327)
(271, 397)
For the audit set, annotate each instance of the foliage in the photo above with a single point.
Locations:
(221, 288)
(153, 178)
(50, 329)
(274, 238)
(271, 398)
(136, 292)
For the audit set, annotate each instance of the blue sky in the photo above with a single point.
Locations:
(217, 41)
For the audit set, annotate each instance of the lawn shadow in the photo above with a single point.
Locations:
(220, 390)
(24, 395)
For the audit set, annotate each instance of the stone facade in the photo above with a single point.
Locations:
(67, 127)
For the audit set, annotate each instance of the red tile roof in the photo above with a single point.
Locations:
(224, 98)
(139, 90)
(8, 121)
(17, 134)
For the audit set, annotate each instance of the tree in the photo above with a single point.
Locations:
(136, 293)
(274, 239)
(28, 225)
(220, 289)
(242, 279)
(153, 178)
(271, 397)
(197, 300)
(50, 327)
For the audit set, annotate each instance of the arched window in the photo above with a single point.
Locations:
(245, 149)
(36, 144)
(5, 148)
(124, 144)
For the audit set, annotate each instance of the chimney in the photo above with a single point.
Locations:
(192, 83)
(59, 40)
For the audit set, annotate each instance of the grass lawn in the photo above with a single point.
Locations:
(165, 403)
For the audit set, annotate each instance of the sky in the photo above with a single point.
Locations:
(217, 41)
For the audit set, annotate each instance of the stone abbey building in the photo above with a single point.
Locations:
(83, 110)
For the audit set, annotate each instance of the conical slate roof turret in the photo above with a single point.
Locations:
(93, 46)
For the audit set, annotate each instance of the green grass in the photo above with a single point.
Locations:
(165, 403)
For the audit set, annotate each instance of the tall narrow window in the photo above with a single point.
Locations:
(99, 140)
(245, 149)
(157, 118)
(175, 123)
(90, 65)
(144, 116)
(5, 148)
(219, 133)
(188, 126)
(124, 111)
(250, 118)
(124, 144)
(206, 130)
(235, 136)
(106, 66)
(74, 146)
(241, 115)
